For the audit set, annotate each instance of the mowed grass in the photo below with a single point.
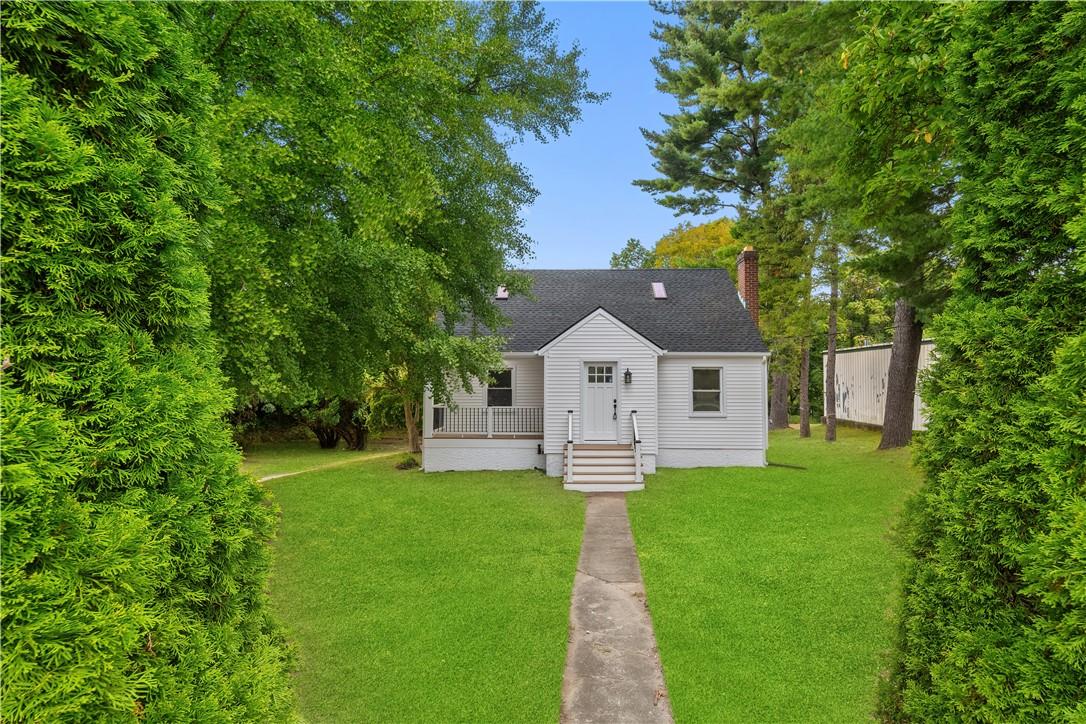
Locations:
(298, 456)
(415, 597)
(771, 589)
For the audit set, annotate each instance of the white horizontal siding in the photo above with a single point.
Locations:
(744, 406)
(527, 385)
(528, 381)
(860, 382)
(599, 340)
(702, 458)
(475, 398)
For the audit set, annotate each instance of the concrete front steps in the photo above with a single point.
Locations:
(603, 469)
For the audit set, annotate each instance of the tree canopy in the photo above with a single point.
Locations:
(720, 141)
(372, 202)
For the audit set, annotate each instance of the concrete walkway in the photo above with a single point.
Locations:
(613, 672)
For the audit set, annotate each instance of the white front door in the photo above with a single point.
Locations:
(599, 406)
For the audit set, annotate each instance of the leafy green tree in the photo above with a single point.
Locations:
(860, 131)
(633, 256)
(709, 244)
(372, 200)
(134, 562)
(705, 245)
(786, 248)
(867, 308)
(994, 619)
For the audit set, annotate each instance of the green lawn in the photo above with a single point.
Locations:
(770, 589)
(293, 457)
(417, 597)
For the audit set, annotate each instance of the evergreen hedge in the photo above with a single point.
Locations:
(994, 619)
(134, 556)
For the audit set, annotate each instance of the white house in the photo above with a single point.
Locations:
(611, 373)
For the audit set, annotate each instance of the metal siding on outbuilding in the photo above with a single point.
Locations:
(860, 383)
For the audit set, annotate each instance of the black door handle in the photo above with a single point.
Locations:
(614, 415)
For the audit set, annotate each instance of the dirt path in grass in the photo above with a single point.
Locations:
(337, 464)
(613, 671)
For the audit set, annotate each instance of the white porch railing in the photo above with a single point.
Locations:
(488, 421)
(569, 447)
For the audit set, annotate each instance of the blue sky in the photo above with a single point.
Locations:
(587, 206)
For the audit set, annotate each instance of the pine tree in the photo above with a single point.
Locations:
(135, 557)
(720, 150)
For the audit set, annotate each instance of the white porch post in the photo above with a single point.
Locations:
(427, 414)
(490, 422)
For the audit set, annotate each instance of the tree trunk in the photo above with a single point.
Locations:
(355, 435)
(897, 424)
(830, 371)
(804, 396)
(778, 402)
(351, 429)
(327, 437)
(410, 416)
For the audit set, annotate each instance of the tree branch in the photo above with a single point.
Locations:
(230, 30)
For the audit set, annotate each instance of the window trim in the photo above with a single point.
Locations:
(723, 411)
(512, 388)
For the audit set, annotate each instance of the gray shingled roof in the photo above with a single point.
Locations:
(702, 312)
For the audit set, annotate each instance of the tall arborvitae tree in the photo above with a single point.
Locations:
(135, 557)
(994, 620)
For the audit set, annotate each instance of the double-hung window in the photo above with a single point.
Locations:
(707, 391)
(499, 393)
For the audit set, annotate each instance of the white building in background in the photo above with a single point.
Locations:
(860, 383)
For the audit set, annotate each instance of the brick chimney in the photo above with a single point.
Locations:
(748, 280)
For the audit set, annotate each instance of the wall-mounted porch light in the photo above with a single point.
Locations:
(627, 376)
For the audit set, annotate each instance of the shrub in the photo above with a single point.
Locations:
(134, 557)
(407, 462)
(994, 620)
